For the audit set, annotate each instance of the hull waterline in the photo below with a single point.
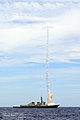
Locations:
(46, 106)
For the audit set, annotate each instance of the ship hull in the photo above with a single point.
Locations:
(46, 106)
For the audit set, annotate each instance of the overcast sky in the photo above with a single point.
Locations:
(23, 46)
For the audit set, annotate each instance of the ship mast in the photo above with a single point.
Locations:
(49, 94)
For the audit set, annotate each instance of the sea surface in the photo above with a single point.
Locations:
(61, 113)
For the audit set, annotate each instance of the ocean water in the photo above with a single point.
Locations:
(64, 113)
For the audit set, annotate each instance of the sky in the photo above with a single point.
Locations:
(23, 36)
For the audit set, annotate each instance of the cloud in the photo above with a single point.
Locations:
(18, 11)
(22, 33)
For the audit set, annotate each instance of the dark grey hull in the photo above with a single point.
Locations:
(46, 106)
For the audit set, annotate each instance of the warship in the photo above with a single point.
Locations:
(42, 104)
